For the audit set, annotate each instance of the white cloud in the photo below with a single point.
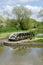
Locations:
(1, 11)
(8, 8)
(6, 11)
(34, 8)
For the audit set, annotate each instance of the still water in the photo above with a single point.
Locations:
(21, 56)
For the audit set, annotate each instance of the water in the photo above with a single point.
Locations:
(21, 56)
(39, 34)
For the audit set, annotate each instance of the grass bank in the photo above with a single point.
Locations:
(39, 40)
(4, 35)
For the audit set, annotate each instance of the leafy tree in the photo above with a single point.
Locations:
(34, 23)
(12, 23)
(40, 14)
(26, 24)
(2, 22)
(21, 13)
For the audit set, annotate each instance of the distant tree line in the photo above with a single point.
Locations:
(21, 20)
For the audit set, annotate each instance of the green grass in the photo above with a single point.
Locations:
(8, 29)
(6, 32)
(40, 40)
(4, 35)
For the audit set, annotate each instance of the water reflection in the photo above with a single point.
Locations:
(40, 53)
(1, 50)
(22, 50)
(40, 34)
(21, 56)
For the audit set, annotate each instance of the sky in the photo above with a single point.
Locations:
(7, 6)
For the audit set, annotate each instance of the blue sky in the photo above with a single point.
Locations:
(21, 2)
(34, 5)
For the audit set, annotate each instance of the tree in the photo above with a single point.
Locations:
(40, 14)
(21, 13)
(12, 23)
(2, 21)
(26, 24)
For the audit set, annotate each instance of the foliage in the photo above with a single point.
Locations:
(40, 14)
(25, 24)
(21, 13)
(22, 21)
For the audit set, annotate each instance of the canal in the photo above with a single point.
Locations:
(21, 56)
